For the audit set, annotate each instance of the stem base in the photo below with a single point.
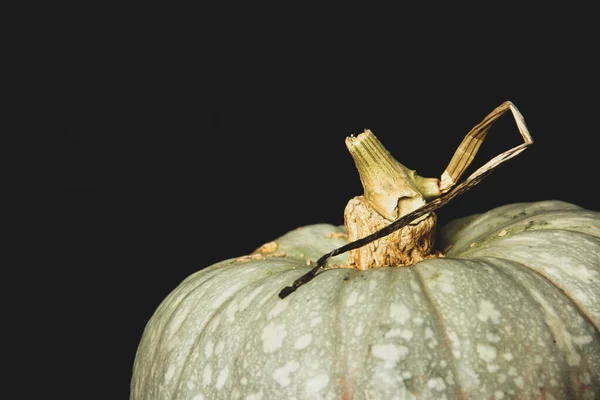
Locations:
(404, 247)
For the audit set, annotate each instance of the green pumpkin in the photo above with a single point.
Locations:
(511, 311)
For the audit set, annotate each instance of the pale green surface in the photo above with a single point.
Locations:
(518, 316)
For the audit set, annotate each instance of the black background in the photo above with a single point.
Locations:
(164, 138)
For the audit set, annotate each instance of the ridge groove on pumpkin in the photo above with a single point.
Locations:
(540, 290)
(219, 310)
(206, 325)
(180, 294)
(441, 331)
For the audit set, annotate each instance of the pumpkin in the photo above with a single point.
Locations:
(510, 310)
(513, 308)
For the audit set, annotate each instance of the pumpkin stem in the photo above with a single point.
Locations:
(391, 191)
(390, 188)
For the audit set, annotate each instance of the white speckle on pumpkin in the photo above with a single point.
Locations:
(553, 382)
(208, 349)
(316, 384)
(418, 321)
(537, 359)
(245, 302)
(207, 375)
(282, 374)
(253, 396)
(503, 232)
(372, 285)
(520, 382)
(428, 333)
(437, 384)
(446, 282)
(501, 378)
(231, 311)
(389, 353)
(399, 313)
(280, 306)
(261, 302)
(493, 368)
(214, 323)
(508, 356)
(512, 371)
(358, 330)
(199, 396)
(577, 271)
(469, 377)
(222, 378)
(352, 299)
(219, 347)
(316, 321)
(443, 364)
(190, 385)
(486, 352)
(227, 293)
(563, 337)
(492, 338)
(244, 381)
(303, 341)
(453, 337)
(581, 340)
(450, 378)
(176, 322)
(487, 311)
(498, 395)
(405, 334)
(415, 286)
(273, 336)
(406, 375)
(170, 372)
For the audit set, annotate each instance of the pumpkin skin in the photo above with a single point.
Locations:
(511, 311)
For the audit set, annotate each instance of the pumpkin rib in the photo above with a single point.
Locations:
(199, 336)
(374, 323)
(459, 224)
(580, 308)
(498, 246)
(492, 233)
(464, 254)
(439, 322)
(528, 293)
(574, 228)
(220, 309)
(337, 321)
(275, 280)
(166, 306)
(215, 272)
(500, 217)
